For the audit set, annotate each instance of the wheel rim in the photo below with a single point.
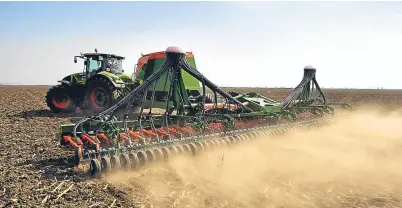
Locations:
(98, 97)
(61, 101)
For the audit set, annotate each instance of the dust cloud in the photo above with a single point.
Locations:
(355, 162)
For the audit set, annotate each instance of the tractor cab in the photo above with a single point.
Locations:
(98, 62)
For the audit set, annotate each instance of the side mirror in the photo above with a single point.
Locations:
(75, 59)
(122, 70)
(85, 62)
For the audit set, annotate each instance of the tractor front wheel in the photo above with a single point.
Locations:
(99, 94)
(59, 99)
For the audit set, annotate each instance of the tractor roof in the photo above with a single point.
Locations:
(104, 55)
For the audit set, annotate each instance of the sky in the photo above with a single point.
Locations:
(255, 44)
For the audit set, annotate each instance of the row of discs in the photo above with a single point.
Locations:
(137, 159)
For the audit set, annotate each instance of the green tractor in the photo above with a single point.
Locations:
(103, 82)
(100, 84)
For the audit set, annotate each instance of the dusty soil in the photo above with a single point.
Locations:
(354, 163)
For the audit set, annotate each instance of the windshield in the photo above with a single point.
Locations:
(93, 64)
(114, 65)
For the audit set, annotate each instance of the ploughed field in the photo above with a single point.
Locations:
(36, 172)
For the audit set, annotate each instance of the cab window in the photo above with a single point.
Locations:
(93, 64)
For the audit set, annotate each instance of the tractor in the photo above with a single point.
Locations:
(103, 82)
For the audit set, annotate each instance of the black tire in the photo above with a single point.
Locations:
(59, 99)
(99, 94)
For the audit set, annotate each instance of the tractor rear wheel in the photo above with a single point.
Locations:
(99, 94)
(59, 99)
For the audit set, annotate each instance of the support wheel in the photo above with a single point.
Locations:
(60, 99)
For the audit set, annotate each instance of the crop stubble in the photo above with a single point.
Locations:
(34, 171)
